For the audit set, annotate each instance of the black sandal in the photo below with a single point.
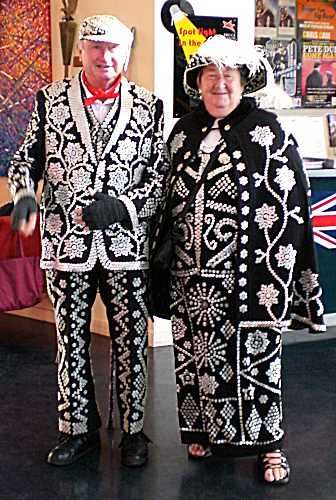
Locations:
(207, 452)
(265, 464)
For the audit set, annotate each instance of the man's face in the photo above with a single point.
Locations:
(102, 61)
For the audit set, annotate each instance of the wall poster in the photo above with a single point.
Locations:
(318, 73)
(25, 43)
(275, 32)
(282, 56)
(177, 39)
(316, 21)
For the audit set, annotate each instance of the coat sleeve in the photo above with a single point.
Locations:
(307, 307)
(143, 200)
(27, 166)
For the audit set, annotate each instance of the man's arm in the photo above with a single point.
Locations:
(25, 171)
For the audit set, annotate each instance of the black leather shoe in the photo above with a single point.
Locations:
(72, 448)
(134, 449)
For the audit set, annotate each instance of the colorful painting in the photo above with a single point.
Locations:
(25, 55)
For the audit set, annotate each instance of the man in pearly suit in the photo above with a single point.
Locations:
(96, 142)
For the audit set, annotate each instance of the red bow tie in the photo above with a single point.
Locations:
(100, 94)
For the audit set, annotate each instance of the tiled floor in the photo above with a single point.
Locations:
(28, 429)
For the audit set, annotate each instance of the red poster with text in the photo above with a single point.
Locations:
(316, 19)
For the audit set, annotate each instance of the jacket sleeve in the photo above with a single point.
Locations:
(143, 199)
(307, 307)
(27, 165)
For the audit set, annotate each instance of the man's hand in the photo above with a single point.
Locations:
(105, 211)
(24, 215)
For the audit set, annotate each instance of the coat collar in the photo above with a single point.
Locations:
(202, 121)
(81, 120)
(244, 108)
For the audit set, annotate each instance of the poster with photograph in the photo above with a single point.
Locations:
(316, 19)
(266, 18)
(287, 19)
(188, 37)
(317, 84)
(282, 56)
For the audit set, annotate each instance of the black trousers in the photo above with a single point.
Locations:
(124, 294)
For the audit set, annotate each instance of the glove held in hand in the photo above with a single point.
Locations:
(22, 210)
(105, 211)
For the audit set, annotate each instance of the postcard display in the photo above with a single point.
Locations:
(299, 39)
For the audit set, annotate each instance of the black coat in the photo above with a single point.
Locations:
(275, 265)
(59, 148)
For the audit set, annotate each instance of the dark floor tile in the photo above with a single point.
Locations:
(28, 430)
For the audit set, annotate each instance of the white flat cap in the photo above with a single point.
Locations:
(105, 28)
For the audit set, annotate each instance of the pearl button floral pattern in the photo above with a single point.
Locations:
(73, 152)
(233, 281)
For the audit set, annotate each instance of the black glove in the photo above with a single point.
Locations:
(22, 210)
(105, 211)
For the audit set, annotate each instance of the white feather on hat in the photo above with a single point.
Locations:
(223, 51)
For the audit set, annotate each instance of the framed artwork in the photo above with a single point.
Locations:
(25, 43)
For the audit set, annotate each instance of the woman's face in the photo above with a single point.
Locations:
(221, 89)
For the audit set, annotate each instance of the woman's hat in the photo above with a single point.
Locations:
(223, 51)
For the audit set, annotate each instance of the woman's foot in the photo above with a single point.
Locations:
(198, 451)
(274, 467)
